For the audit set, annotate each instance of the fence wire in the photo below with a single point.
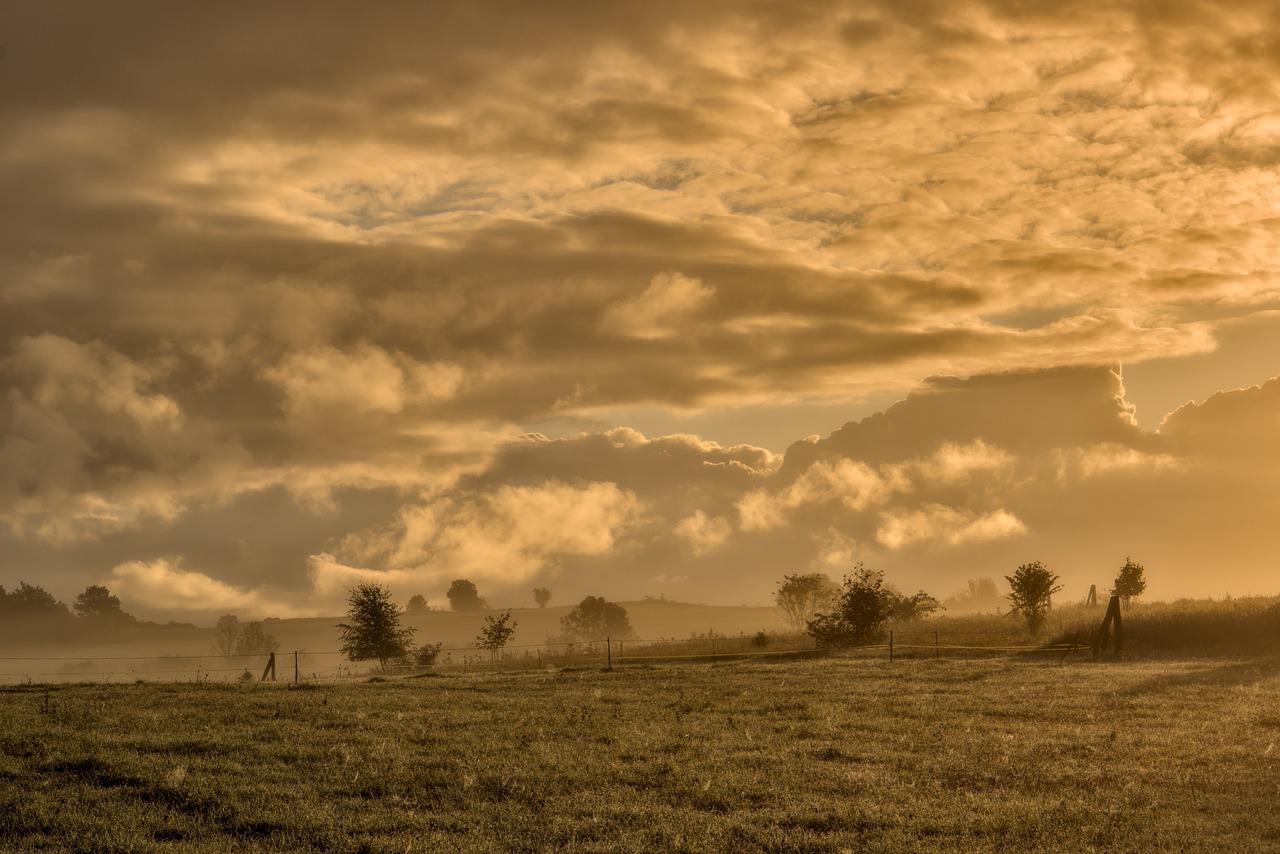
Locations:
(332, 665)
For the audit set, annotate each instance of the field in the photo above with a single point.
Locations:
(829, 755)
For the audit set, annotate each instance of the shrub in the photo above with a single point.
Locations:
(426, 655)
(915, 607)
(1130, 583)
(1031, 590)
(498, 629)
(861, 610)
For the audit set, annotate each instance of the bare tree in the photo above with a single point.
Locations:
(226, 633)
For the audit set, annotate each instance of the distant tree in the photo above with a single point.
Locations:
(226, 633)
(801, 597)
(1130, 583)
(916, 607)
(33, 601)
(594, 619)
(417, 604)
(373, 630)
(97, 601)
(463, 596)
(860, 611)
(254, 640)
(980, 594)
(542, 596)
(497, 630)
(1031, 590)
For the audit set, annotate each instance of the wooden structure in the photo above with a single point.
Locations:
(1111, 630)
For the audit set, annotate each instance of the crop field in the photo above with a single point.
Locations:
(829, 755)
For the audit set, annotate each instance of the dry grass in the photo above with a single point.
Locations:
(813, 756)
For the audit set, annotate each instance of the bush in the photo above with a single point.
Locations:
(1031, 590)
(426, 655)
(863, 607)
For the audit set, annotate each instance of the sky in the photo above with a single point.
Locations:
(635, 298)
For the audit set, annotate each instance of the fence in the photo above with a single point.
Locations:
(332, 666)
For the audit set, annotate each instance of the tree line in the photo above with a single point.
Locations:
(858, 609)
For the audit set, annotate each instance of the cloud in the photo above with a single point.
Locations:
(162, 584)
(661, 310)
(326, 288)
(949, 524)
(703, 533)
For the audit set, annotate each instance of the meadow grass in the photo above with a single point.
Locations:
(829, 755)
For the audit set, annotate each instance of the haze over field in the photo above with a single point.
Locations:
(552, 295)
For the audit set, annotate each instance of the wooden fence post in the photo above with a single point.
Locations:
(936, 651)
(295, 667)
(1092, 600)
(891, 645)
(270, 668)
(1112, 628)
(608, 650)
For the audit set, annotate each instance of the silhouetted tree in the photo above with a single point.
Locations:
(1031, 590)
(98, 602)
(594, 619)
(1130, 583)
(32, 601)
(915, 607)
(417, 604)
(801, 597)
(463, 596)
(254, 640)
(860, 611)
(373, 631)
(542, 596)
(497, 630)
(226, 632)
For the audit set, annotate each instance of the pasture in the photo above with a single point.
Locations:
(829, 755)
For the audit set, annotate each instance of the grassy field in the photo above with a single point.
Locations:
(828, 755)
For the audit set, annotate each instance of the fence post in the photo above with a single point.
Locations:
(608, 651)
(295, 667)
(713, 649)
(270, 668)
(936, 651)
(890, 645)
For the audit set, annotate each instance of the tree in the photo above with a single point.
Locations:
(910, 608)
(226, 632)
(801, 597)
(417, 604)
(1031, 590)
(980, 594)
(498, 629)
(373, 630)
(1130, 583)
(594, 619)
(862, 607)
(463, 596)
(97, 601)
(254, 640)
(542, 596)
(33, 601)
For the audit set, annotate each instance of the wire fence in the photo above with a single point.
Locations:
(332, 666)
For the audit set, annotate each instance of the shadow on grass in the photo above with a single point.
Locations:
(1222, 676)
